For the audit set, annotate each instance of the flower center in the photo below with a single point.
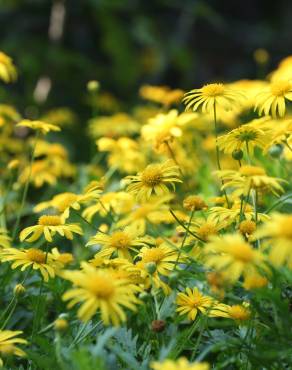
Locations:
(36, 255)
(50, 221)
(212, 90)
(280, 88)
(151, 176)
(120, 240)
(101, 286)
(206, 230)
(153, 255)
(247, 136)
(238, 312)
(252, 171)
(242, 252)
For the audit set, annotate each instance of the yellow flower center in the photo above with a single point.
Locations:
(151, 176)
(238, 312)
(285, 229)
(50, 221)
(242, 252)
(280, 88)
(194, 203)
(36, 255)
(247, 227)
(153, 255)
(101, 286)
(120, 240)
(213, 90)
(252, 171)
(197, 301)
(206, 230)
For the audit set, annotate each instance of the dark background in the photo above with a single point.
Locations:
(126, 43)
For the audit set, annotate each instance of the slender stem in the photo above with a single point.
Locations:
(173, 157)
(276, 204)
(218, 153)
(187, 229)
(288, 146)
(36, 319)
(26, 186)
(88, 223)
(185, 237)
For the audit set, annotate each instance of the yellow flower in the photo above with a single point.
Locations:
(65, 201)
(120, 241)
(232, 256)
(153, 211)
(252, 134)
(161, 94)
(179, 364)
(155, 178)
(272, 99)
(205, 228)
(193, 301)
(49, 226)
(254, 281)
(194, 203)
(163, 256)
(41, 126)
(8, 71)
(250, 178)
(230, 215)
(33, 257)
(278, 232)
(62, 258)
(8, 339)
(236, 312)
(99, 290)
(162, 129)
(117, 202)
(4, 239)
(39, 173)
(211, 96)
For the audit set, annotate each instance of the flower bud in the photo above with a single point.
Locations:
(237, 154)
(61, 324)
(158, 326)
(93, 86)
(151, 267)
(276, 150)
(19, 289)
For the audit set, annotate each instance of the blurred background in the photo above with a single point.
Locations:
(58, 46)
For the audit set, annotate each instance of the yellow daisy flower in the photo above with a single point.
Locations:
(153, 211)
(99, 290)
(211, 96)
(250, 178)
(8, 71)
(120, 241)
(49, 226)
(155, 178)
(193, 301)
(235, 312)
(8, 339)
(278, 232)
(65, 201)
(33, 257)
(232, 256)
(272, 99)
(163, 256)
(179, 364)
(41, 126)
(252, 134)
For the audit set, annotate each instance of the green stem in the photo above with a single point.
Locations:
(218, 153)
(187, 229)
(185, 237)
(37, 318)
(88, 223)
(26, 186)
